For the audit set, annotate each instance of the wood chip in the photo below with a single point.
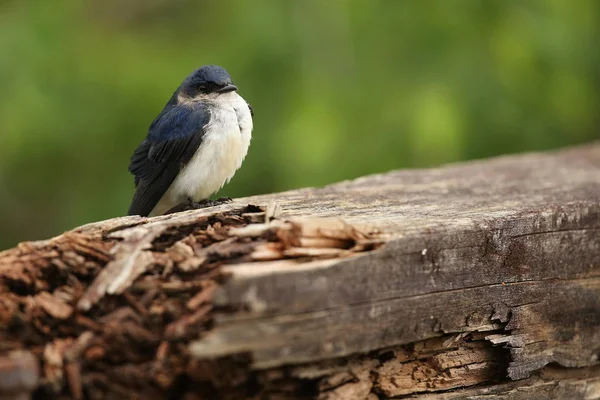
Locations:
(204, 296)
(187, 325)
(53, 305)
(130, 260)
(54, 363)
(73, 373)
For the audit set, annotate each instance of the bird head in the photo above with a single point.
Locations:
(207, 81)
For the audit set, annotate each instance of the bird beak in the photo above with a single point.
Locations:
(227, 88)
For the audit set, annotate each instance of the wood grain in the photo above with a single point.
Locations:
(513, 240)
(478, 280)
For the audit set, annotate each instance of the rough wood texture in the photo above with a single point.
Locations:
(512, 241)
(425, 281)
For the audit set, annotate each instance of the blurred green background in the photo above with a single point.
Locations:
(339, 88)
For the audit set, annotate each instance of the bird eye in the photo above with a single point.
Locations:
(202, 88)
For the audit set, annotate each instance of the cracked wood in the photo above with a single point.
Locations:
(510, 240)
(496, 262)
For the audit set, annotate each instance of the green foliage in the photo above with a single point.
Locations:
(340, 89)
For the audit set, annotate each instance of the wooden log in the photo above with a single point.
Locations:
(512, 241)
(412, 283)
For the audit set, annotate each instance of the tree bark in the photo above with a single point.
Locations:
(475, 280)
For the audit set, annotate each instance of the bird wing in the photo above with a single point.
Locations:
(172, 141)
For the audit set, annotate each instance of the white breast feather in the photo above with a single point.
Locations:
(224, 147)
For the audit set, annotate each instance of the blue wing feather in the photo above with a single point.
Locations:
(172, 140)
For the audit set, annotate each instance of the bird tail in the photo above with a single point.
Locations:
(141, 204)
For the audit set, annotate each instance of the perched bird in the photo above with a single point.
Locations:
(194, 146)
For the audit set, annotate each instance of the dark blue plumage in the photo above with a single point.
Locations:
(173, 138)
(208, 75)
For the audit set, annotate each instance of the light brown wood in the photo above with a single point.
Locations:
(411, 283)
(513, 241)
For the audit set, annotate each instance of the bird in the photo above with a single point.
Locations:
(194, 146)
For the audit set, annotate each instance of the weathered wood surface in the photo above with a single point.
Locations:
(513, 240)
(493, 266)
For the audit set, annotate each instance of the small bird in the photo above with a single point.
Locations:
(194, 146)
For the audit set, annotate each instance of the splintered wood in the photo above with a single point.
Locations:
(108, 312)
(478, 280)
